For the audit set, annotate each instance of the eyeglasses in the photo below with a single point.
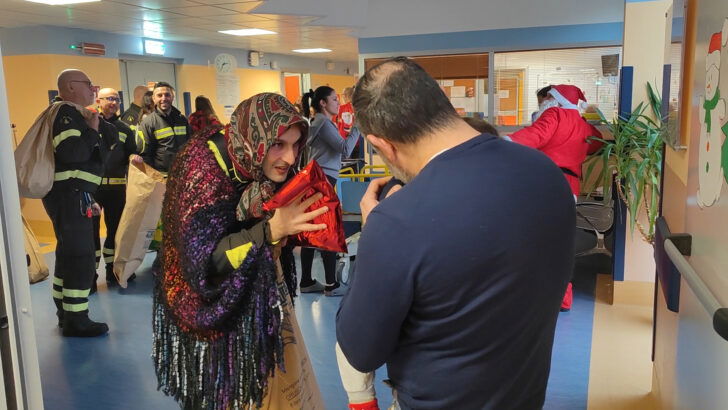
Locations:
(111, 99)
(94, 88)
(87, 82)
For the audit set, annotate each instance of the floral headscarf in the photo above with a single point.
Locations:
(254, 127)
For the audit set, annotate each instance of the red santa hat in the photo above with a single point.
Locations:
(713, 57)
(714, 43)
(568, 96)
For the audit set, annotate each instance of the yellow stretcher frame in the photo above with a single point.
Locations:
(349, 172)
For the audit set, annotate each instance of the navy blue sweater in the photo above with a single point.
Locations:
(459, 279)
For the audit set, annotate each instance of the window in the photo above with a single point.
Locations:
(519, 75)
(463, 78)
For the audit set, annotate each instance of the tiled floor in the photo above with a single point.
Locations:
(115, 372)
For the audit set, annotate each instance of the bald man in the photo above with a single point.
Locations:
(112, 191)
(131, 115)
(79, 154)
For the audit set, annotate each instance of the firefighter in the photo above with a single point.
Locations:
(162, 134)
(164, 131)
(79, 154)
(111, 195)
(132, 115)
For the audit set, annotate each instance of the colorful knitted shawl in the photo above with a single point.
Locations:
(217, 341)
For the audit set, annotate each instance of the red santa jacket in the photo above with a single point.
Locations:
(562, 135)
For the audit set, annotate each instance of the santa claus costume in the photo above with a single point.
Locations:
(561, 133)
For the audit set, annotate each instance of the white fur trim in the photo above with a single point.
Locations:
(562, 100)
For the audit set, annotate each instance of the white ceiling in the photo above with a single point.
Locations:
(193, 21)
(333, 24)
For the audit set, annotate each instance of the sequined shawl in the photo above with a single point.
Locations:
(216, 342)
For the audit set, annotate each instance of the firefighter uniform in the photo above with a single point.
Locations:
(79, 153)
(163, 136)
(112, 191)
(131, 115)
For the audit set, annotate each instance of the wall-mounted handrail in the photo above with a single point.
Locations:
(704, 295)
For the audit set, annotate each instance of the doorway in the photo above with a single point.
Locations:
(141, 72)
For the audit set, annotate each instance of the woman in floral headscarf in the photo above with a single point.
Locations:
(225, 334)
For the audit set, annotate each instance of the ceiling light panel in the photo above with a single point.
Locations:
(312, 50)
(247, 32)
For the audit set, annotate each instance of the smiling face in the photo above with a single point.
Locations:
(281, 156)
(108, 102)
(163, 97)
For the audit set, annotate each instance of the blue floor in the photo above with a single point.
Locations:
(115, 371)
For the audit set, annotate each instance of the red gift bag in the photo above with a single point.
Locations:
(312, 180)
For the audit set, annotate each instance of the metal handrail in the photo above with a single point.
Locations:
(704, 295)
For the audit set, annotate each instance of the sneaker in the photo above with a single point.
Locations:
(315, 287)
(336, 290)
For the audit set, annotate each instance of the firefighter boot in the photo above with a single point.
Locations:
(77, 324)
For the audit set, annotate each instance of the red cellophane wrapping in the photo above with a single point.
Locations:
(311, 180)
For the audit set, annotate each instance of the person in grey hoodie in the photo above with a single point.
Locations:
(327, 147)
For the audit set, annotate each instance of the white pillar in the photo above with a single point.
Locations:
(14, 273)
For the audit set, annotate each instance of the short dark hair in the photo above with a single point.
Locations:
(161, 84)
(481, 126)
(397, 100)
(543, 92)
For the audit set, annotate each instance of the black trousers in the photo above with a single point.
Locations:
(328, 258)
(74, 268)
(112, 200)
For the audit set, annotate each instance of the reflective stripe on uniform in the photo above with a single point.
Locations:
(75, 307)
(58, 139)
(163, 133)
(218, 157)
(180, 130)
(56, 294)
(108, 255)
(113, 181)
(140, 142)
(76, 293)
(57, 281)
(122, 137)
(86, 176)
(236, 256)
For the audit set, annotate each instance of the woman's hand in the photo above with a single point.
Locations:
(292, 219)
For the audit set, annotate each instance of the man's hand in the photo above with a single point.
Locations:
(369, 201)
(292, 219)
(93, 121)
(136, 159)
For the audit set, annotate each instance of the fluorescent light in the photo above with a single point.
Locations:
(61, 2)
(247, 32)
(154, 47)
(152, 30)
(312, 50)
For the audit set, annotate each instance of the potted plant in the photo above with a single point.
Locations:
(633, 160)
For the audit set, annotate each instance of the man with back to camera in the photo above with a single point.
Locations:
(164, 131)
(460, 274)
(112, 191)
(79, 153)
(131, 115)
